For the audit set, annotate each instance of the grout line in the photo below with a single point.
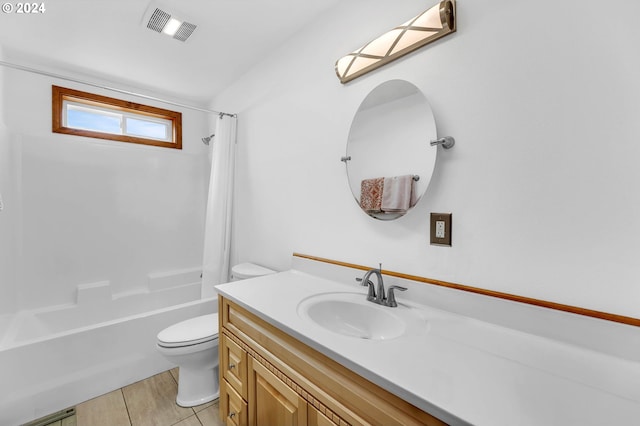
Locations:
(198, 419)
(195, 415)
(126, 406)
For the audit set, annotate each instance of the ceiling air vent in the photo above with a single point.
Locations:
(159, 20)
(184, 31)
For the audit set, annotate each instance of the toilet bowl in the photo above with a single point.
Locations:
(192, 345)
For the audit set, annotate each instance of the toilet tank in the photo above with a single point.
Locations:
(249, 270)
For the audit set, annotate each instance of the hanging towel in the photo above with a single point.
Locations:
(371, 195)
(397, 194)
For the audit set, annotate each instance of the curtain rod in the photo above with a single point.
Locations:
(114, 89)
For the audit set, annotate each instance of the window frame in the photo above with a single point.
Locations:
(61, 94)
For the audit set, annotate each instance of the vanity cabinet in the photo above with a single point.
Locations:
(268, 377)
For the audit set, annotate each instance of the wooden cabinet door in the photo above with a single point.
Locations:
(271, 402)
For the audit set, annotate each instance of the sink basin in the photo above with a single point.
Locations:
(350, 314)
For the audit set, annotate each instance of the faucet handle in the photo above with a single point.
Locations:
(371, 294)
(391, 297)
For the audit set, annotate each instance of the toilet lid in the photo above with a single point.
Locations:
(250, 270)
(190, 332)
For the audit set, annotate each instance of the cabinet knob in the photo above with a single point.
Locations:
(232, 414)
(232, 366)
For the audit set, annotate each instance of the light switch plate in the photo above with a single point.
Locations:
(441, 229)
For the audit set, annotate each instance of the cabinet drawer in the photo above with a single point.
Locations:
(234, 365)
(233, 409)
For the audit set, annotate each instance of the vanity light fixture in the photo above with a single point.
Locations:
(425, 28)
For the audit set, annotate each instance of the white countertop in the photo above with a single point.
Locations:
(460, 369)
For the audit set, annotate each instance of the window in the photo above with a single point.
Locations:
(85, 114)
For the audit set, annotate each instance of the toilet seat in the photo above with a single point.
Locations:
(190, 332)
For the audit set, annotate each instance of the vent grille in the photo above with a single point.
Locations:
(185, 30)
(158, 20)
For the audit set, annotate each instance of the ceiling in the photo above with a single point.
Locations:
(108, 40)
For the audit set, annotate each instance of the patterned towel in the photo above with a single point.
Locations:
(371, 195)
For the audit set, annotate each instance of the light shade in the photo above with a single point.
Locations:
(171, 27)
(429, 26)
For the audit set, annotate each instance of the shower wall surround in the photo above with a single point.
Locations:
(546, 151)
(85, 210)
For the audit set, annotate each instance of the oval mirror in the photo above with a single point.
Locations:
(389, 159)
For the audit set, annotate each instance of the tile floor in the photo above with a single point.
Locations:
(150, 402)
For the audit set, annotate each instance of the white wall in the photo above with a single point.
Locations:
(7, 215)
(543, 101)
(88, 210)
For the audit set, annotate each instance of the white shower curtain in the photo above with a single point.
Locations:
(217, 232)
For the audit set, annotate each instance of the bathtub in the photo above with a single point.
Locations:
(57, 357)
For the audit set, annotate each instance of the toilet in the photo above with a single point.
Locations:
(193, 346)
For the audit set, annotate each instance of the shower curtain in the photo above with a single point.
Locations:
(217, 233)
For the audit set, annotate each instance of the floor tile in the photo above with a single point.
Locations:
(148, 402)
(175, 372)
(209, 416)
(69, 421)
(105, 410)
(189, 421)
(203, 406)
(151, 402)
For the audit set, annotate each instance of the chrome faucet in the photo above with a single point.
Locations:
(373, 295)
(377, 295)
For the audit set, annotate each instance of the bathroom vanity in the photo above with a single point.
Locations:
(270, 378)
(451, 357)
